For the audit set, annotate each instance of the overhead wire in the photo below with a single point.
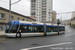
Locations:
(26, 6)
(15, 2)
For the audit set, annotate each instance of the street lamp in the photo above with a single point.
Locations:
(58, 22)
(10, 8)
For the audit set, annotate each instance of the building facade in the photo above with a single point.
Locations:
(73, 21)
(73, 18)
(54, 17)
(66, 22)
(42, 10)
(4, 17)
(73, 14)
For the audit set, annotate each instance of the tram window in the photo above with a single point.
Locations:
(25, 29)
(14, 27)
(30, 28)
(50, 29)
(35, 29)
(55, 29)
(40, 28)
(61, 29)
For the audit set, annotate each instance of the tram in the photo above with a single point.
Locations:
(23, 29)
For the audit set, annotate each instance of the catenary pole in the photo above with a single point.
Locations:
(9, 10)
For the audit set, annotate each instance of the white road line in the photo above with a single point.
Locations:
(68, 29)
(47, 46)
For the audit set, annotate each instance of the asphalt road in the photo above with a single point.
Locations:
(53, 42)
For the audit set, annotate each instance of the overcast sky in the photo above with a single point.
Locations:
(60, 6)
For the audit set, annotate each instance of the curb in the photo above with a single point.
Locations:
(73, 27)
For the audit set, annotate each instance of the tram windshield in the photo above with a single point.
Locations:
(10, 28)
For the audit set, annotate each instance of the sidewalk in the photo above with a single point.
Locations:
(2, 33)
(72, 27)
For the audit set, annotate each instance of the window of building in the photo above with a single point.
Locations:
(27, 20)
(49, 17)
(39, 7)
(2, 15)
(22, 19)
(44, 20)
(43, 12)
(1, 28)
(12, 17)
(32, 13)
(33, 0)
(43, 9)
(18, 18)
(33, 8)
(33, 5)
(44, 2)
(44, 5)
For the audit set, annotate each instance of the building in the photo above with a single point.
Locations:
(73, 18)
(66, 22)
(72, 21)
(54, 17)
(4, 17)
(42, 10)
(73, 14)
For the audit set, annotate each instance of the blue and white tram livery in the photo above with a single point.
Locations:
(24, 29)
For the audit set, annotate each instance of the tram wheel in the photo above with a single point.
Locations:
(18, 35)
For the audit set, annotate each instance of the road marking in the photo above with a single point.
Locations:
(47, 46)
(68, 29)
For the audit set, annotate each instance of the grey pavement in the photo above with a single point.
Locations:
(2, 34)
(47, 42)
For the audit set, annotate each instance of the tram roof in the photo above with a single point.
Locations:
(26, 22)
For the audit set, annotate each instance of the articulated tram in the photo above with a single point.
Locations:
(24, 29)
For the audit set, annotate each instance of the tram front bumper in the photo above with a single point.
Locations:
(10, 35)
